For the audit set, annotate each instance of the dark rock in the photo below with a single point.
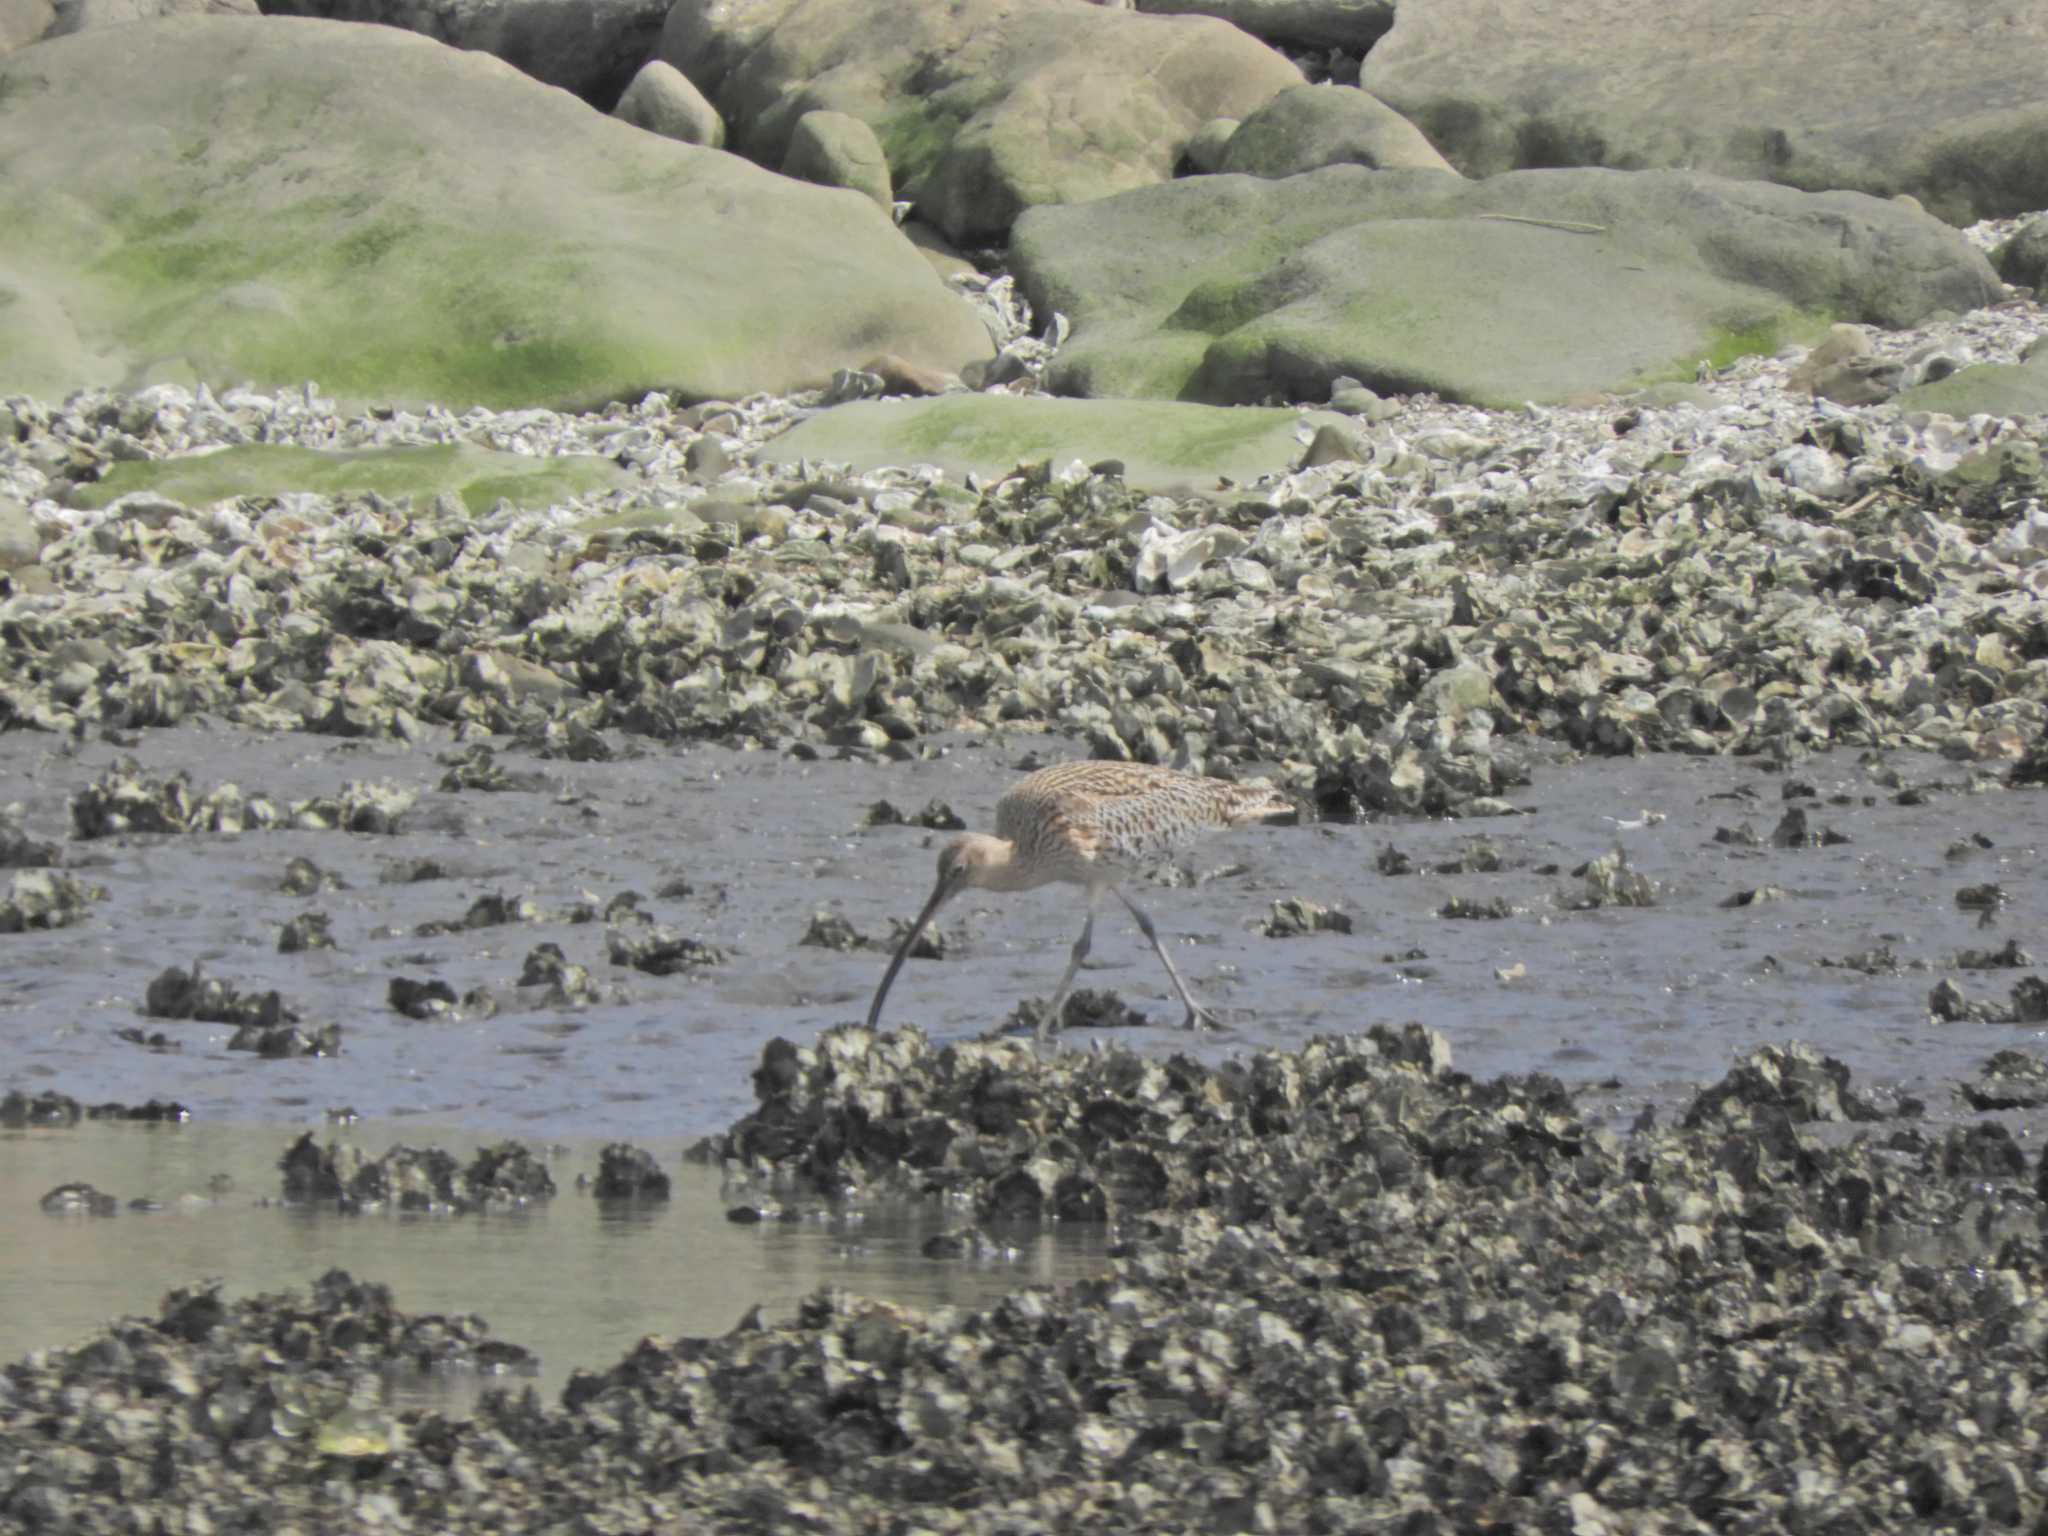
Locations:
(829, 930)
(79, 1200)
(1293, 917)
(661, 951)
(307, 931)
(280, 1041)
(430, 999)
(1793, 1081)
(49, 1107)
(180, 994)
(628, 1173)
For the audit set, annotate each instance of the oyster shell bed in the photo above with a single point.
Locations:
(1767, 574)
(1353, 1290)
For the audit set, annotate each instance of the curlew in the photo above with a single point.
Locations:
(1091, 824)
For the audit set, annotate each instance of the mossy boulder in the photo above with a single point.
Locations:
(1989, 389)
(985, 107)
(270, 200)
(1533, 286)
(1943, 99)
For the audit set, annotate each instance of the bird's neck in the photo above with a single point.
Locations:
(1000, 870)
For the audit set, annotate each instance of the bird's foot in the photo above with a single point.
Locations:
(1202, 1018)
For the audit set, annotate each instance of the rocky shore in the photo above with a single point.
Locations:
(1744, 570)
(1353, 1289)
(924, 389)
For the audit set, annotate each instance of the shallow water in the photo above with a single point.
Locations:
(1637, 1006)
(576, 1280)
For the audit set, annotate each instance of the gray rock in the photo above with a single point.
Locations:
(1537, 285)
(936, 248)
(591, 47)
(1310, 126)
(1333, 444)
(985, 107)
(2023, 259)
(1863, 95)
(20, 544)
(662, 100)
(836, 149)
(1350, 25)
(706, 459)
(84, 15)
(1843, 367)
(1993, 389)
(1204, 152)
(431, 226)
(24, 21)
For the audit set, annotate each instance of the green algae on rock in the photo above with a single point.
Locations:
(1158, 443)
(1538, 285)
(479, 477)
(407, 222)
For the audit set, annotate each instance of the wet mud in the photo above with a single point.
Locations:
(1823, 901)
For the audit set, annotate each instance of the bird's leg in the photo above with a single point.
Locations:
(1050, 1019)
(1198, 1016)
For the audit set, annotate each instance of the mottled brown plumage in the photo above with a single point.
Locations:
(1091, 824)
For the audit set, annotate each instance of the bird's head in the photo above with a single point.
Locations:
(968, 860)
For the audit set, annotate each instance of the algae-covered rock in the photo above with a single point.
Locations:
(1991, 389)
(1945, 100)
(272, 199)
(1156, 442)
(481, 477)
(1540, 285)
(1310, 126)
(985, 107)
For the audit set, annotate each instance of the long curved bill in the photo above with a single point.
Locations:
(932, 904)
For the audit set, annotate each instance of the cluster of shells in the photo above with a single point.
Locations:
(1367, 1292)
(1757, 570)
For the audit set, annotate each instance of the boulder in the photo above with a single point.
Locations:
(984, 107)
(2023, 260)
(23, 22)
(936, 249)
(1986, 389)
(1307, 127)
(1349, 26)
(1159, 444)
(1936, 99)
(835, 149)
(1537, 285)
(591, 47)
(419, 224)
(1844, 367)
(662, 100)
(1204, 152)
(20, 542)
(84, 15)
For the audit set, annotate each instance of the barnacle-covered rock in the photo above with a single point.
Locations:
(629, 1173)
(47, 898)
(413, 1179)
(660, 950)
(1793, 1081)
(1293, 916)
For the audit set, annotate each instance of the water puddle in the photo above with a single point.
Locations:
(576, 1280)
